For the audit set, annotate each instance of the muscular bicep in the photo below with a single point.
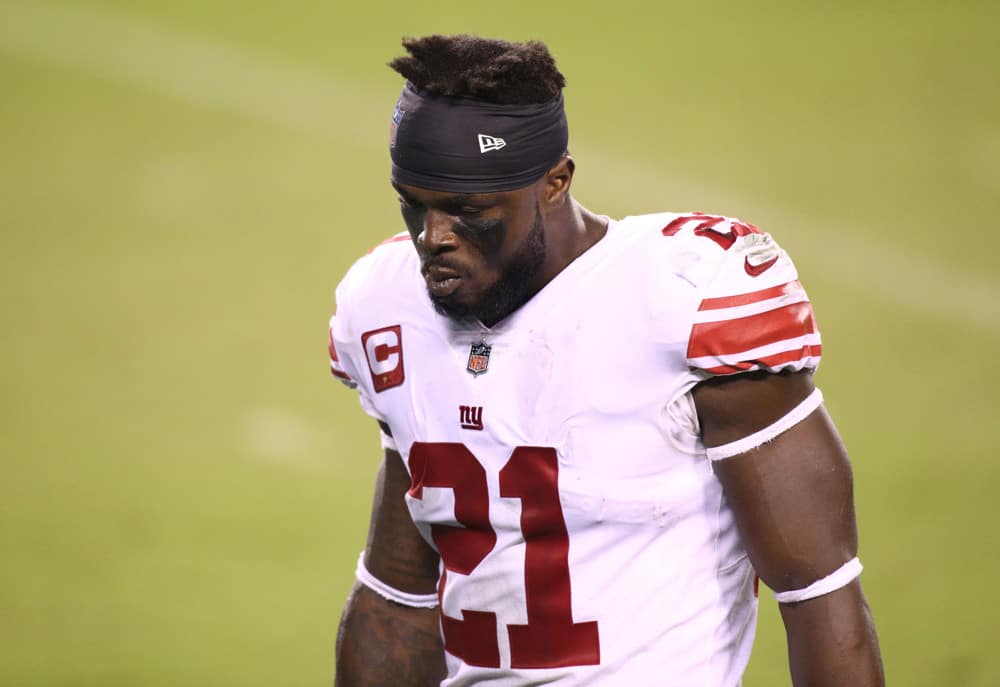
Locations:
(396, 553)
(791, 496)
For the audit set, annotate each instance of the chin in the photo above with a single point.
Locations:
(488, 306)
(455, 308)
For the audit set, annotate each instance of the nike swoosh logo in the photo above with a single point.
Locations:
(757, 270)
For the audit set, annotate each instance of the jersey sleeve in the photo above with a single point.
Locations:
(753, 314)
(337, 366)
(344, 348)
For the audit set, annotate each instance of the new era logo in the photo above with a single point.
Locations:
(488, 143)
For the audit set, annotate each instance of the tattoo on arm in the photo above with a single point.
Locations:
(381, 643)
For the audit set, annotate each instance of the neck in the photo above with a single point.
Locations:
(570, 232)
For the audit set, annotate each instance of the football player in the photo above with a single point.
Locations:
(599, 433)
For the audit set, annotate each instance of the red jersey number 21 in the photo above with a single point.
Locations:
(550, 639)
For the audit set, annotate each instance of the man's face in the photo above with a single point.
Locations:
(481, 254)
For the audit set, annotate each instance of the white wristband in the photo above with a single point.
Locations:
(786, 422)
(832, 582)
(391, 593)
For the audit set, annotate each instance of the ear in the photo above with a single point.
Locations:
(556, 182)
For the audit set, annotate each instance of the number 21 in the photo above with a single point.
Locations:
(550, 639)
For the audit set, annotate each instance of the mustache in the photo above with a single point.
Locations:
(443, 263)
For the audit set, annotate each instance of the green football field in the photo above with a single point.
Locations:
(184, 489)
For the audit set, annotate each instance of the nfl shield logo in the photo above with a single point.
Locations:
(479, 358)
(397, 119)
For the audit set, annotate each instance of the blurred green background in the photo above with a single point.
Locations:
(184, 489)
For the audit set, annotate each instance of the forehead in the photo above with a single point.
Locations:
(430, 197)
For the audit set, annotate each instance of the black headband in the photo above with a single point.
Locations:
(466, 145)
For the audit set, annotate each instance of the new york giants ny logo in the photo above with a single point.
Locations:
(471, 417)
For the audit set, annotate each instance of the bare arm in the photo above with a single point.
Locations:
(381, 643)
(793, 502)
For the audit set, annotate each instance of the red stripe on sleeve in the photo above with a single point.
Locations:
(729, 337)
(772, 361)
(748, 298)
(335, 360)
(332, 348)
(340, 375)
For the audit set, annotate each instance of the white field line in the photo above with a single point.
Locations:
(211, 74)
(175, 63)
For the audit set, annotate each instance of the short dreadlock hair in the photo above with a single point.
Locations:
(489, 69)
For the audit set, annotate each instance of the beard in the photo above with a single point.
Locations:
(512, 289)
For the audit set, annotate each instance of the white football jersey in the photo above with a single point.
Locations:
(555, 458)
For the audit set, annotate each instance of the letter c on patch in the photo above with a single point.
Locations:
(384, 351)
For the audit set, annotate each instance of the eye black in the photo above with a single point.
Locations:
(482, 226)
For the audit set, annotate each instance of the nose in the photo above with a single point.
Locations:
(438, 232)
